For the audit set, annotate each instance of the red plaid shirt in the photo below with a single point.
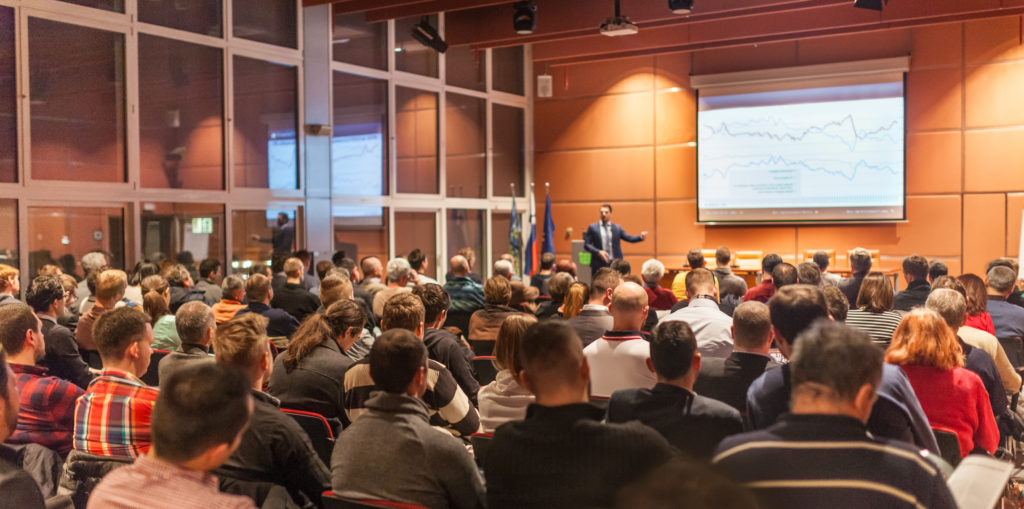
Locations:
(113, 417)
(47, 414)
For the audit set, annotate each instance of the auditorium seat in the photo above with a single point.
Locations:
(949, 447)
(319, 430)
(749, 260)
(1014, 348)
(332, 501)
(481, 443)
(83, 471)
(485, 369)
(600, 401)
(152, 375)
(482, 346)
(809, 255)
(459, 319)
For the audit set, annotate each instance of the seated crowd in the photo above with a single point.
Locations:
(153, 390)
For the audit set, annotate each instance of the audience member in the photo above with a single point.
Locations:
(685, 483)
(399, 275)
(373, 271)
(820, 259)
(838, 306)
(937, 269)
(562, 455)
(273, 448)
(505, 269)
(259, 294)
(576, 298)
(728, 283)
(539, 279)
(505, 399)
(658, 298)
(19, 489)
(310, 279)
(466, 295)
(110, 285)
(442, 345)
(784, 274)
(566, 265)
(874, 314)
(70, 317)
(808, 273)
(822, 454)
(558, 288)
(484, 323)
(707, 321)
(278, 278)
(198, 422)
(232, 295)
(87, 304)
(450, 408)
(728, 379)
(766, 289)
(621, 266)
(594, 319)
(392, 452)
(619, 358)
(693, 424)
(915, 272)
(470, 256)
(860, 265)
(952, 397)
(182, 287)
(336, 288)
(322, 267)
(419, 264)
(1007, 319)
(695, 260)
(196, 326)
(93, 262)
(47, 297)
(210, 279)
(47, 411)
(156, 297)
(133, 293)
(10, 284)
(113, 417)
(896, 413)
(977, 303)
(292, 297)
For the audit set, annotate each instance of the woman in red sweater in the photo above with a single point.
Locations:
(977, 304)
(952, 397)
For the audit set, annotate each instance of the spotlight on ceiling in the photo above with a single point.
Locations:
(618, 24)
(524, 19)
(428, 36)
(680, 6)
(875, 5)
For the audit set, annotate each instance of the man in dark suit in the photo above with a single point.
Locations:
(860, 265)
(602, 240)
(693, 424)
(915, 272)
(594, 319)
(728, 379)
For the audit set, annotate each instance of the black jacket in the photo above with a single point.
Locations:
(181, 295)
(296, 300)
(728, 379)
(446, 348)
(914, 296)
(63, 359)
(316, 384)
(281, 323)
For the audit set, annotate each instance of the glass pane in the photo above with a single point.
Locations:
(466, 156)
(410, 55)
(466, 229)
(56, 232)
(357, 42)
(181, 112)
(508, 69)
(266, 125)
(416, 140)
(76, 82)
(359, 143)
(465, 67)
(9, 232)
(8, 100)
(270, 21)
(417, 230)
(199, 16)
(499, 236)
(509, 150)
(256, 234)
(108, 5)
(360, 231)
(172, 228)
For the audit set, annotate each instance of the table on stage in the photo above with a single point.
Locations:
(753, 276)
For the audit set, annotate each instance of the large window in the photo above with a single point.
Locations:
(56, 234)
(169, 229)
(416, 230)
(9, 232)
(76, 84)
(359, 143)
(357, 42)
(361, 231)
(466, 151)
(8, 99)
(508, 70)
(466, 67)
(416, 141)
(410, 55)
(466, 229)
(255, 234)
(270, 21)
(199, 16)
(509, 149)
(265, 125)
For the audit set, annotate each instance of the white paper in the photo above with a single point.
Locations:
(979, 481)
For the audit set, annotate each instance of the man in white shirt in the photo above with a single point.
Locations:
(709, 323)
(621, 358)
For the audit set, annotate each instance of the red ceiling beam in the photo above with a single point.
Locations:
(350, 6)
(435, 6)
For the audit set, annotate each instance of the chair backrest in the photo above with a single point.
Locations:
(748, 260)
(459, 319)
(876, 258)
(949, 446)
(83, 471)
(600, 401)
(152, 375)
(809, 255)
(318, 429)
(709, 257)
(485, 369)
(332, 501)
(481, 443)
(1014, 348)
(482, 346)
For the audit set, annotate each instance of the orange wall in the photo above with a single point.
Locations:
(622, 132)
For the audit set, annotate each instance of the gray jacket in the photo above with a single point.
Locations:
(591, 324)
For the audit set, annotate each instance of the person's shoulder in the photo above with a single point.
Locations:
(713, 408)
(630, 395)
(628, 435)
(771, 380)
(711, 366)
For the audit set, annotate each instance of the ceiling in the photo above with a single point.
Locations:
(567, 30)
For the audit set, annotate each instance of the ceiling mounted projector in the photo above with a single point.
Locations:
(680, 6)
(428, 36)
(524, 19)
(618, 25)
(875, 5)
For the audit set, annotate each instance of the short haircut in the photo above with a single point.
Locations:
(558, 286)
(621, 266)
(322, 267)
(7, 273)
(257, 288)
(977, 297)
(402, 311)
(397, 269)
(200, 406)
(4, 381)
(723, 256)
(769, 262)
(341, 272)
(652, 271)
(208, 267)
(258, 268)
(293, 267)
(609, 207)
(950, 283)
(231, 284)
(176, 274)
(695, 258)
(784, 274)
(43, 292)
(1001, 279)
(875, 293)
(836, 356)
(304, 256)
(94, 261)
(950, 305)
(241, 341)
(793, 308)
(550, 353)
(15, 320)
(604, 279)
(838, 306)
(820, 259)
(116, 330)
(434, 298)
(916, 266)
(497, 291)
(416, 259)
(751, 324)
(48, 269)
(672, 349)
(506, 347)
(395, 358)
(937, 269)
(503, 268)
(924, 339)
(1002, 262)
(192, 321)
(699, 280)
(185, 258)
(860, 260)
(334, 289)
(547, 260)
(808, 273)
(111, 284)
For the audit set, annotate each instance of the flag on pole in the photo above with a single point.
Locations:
(549, 224)
(530, 253)
(515, 234)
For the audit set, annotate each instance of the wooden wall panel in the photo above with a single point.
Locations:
(984, 232)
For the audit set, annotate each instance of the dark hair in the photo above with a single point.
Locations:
(837, 356)
(916, 266)
(322, 267)
(783, 274)
(621, 266)
(977, 296)
(257, 268)
(416, 259)
(547, 260)
(1001, 262)
(257, 288)
(319, 327)
(672, 349)
(950, 283)
(875, 293)
(185, 258)
(723, 256)
(200, 406)
(604, 279)
(153, 303)
(115, 330)
(1001, 279)
(395, 358)
(208, 267)
(820, 259)
(277, 261)
(769, 262)
(141, 271)
(337, 257)
(793, 308)
(550, 350)
(43, 292)
(434, 298)
(808, 273)
(695, 258)
(937, 269)
(838, 306)
(607, 205)
(403, 311)
(3, 376)
(15, 320)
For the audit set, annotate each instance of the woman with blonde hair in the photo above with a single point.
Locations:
(873, 313)
(504, 400)
(156, 302)
(953, 398)
(574, 300)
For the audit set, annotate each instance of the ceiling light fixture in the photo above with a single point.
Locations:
(680, 6)
(618, 25)
(428, 36)
(524, 17)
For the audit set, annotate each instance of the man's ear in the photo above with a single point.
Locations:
(133, 350)
(732, 332)
(419, 330)
(608, 296)
(695, 363)
(524, 382)
(443, 317)
(865, 400)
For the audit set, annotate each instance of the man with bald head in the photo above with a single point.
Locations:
(619, 358)
(467, 295)
(710, 325)
(373, 271)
